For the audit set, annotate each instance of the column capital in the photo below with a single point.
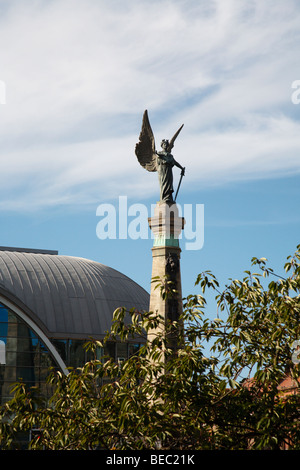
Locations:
(166, 225)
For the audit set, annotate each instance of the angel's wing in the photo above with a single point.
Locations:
(145, 148)
(171, 142)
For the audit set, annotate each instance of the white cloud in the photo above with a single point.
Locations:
(79, 75)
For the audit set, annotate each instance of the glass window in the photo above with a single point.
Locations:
(77, 357)
(110, 349)
(122, 352)
(3, 314)
(133, 348)
(22, 355)
(74, 353)
(61, 346)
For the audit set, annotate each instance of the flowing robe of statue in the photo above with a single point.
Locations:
(165, 163)
(162, 162)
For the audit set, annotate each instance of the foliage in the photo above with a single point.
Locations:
(219, 390)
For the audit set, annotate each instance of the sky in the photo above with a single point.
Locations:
(75, 79)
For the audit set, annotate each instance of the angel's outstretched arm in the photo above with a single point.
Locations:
(179, 166)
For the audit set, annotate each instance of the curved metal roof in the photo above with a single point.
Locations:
(67, 297)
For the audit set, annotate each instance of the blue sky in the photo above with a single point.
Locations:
(78, 75)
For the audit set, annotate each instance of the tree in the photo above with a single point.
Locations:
(228, 398)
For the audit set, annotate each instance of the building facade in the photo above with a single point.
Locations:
(50, 306)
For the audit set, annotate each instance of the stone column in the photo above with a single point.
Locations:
(166, 226)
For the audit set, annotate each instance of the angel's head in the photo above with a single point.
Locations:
(164, 144)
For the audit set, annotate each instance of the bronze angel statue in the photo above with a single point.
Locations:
(162, 161)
